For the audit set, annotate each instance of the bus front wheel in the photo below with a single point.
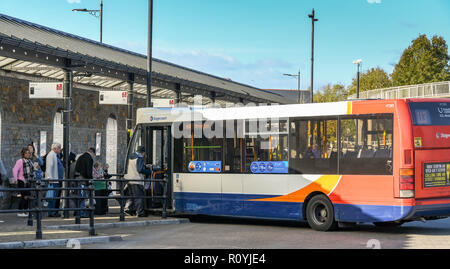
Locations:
(320, 214)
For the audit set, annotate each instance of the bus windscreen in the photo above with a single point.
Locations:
(430, 113)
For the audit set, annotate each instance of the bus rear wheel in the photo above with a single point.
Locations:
(320, 214)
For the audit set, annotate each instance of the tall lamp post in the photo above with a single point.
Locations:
(96, 13)
(358, 63)
(149, 53)
(298, 78)
(313, 19)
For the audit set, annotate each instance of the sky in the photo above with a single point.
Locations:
(254, 42)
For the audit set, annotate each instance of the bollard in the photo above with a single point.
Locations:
(164, 213)
(38, 213)
(91, 209)
(77, 199)
(122, 210)
(30, 205)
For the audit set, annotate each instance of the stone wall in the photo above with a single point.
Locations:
(22, 120)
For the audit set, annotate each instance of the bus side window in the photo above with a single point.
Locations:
(366, 145)
(196, 147)
(313, 146)
(266, 141)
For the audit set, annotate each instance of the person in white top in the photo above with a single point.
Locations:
(51, 172)
(137, 169)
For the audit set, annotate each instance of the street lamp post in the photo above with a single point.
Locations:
(358, 63)
(149, 53)
(313, 19)
(94, 12)
(298, 78)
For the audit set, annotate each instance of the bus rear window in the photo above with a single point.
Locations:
(426, 114)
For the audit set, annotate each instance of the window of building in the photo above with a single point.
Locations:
(58, 128)
(366, 144)
(111, 145)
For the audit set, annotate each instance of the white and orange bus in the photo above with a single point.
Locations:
(380, 161)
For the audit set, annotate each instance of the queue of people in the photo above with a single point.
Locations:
(30, 167)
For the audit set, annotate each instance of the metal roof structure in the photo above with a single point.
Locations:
(40, 53)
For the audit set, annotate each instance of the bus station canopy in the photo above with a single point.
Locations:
(40, 53)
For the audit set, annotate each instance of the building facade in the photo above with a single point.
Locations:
(24, 121)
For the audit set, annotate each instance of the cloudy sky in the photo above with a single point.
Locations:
(254, 41)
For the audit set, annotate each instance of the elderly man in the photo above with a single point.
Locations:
(52, 166)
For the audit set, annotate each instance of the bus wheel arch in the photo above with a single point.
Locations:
(318, 211)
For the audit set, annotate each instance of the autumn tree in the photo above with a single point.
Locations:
(374, 78)
(331, 93)
(423, 62)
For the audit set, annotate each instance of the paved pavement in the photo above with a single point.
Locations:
(15, 233)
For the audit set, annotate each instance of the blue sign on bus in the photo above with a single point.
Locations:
(205, 167)
(270, 167)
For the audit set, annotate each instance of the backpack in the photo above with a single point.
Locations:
(44, 163)
(72, 167)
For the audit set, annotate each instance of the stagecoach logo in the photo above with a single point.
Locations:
(439, 135)
(157, 118)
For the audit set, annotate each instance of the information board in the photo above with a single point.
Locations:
(46, 90)
(436, 175)
(113, 97)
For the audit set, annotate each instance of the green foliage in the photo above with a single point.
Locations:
(374, 78)
(330, 93)
(423, 62)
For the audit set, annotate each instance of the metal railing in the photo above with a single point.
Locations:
(428, 90)
(35, 202)
(122, 197)
(36, 208)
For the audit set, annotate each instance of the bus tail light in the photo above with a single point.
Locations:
(407, 183)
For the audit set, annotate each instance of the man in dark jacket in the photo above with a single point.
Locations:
(83, 169)
(85, 164)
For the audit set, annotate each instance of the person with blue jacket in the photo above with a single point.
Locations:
(137, 169)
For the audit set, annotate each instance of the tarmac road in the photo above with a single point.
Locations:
(224, 233)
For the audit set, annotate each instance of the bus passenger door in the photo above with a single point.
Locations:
(158, 145)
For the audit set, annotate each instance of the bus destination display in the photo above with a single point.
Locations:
(436, 175)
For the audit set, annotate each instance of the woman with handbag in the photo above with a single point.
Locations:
(23, 173)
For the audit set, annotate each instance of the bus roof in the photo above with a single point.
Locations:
(168, 115)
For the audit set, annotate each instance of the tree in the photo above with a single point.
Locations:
(374, 78)
(423, 62)
(330, 93)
